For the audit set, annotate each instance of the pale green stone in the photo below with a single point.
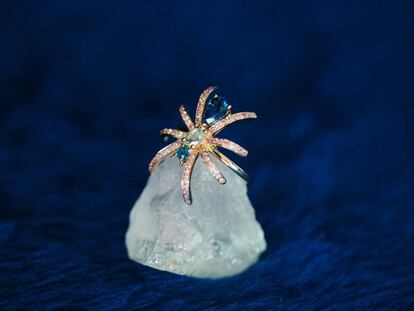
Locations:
(195, 136)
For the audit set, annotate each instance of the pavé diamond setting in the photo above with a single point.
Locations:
(213, 113)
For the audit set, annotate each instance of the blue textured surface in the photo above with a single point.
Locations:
(85, 87)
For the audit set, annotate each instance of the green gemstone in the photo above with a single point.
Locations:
(183, 153)
(195, 136)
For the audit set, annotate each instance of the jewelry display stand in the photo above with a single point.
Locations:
(216, 236)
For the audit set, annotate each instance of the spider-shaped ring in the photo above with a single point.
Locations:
(213, 113)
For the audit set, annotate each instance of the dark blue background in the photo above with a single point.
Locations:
(85, 86)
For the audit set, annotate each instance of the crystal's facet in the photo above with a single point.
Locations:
(216, 108)
(183, 153)
(195, 136)
(217, 236)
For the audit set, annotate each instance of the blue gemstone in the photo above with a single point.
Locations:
(216, 108)
(183, 153)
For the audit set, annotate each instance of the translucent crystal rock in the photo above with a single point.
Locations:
(216, 236)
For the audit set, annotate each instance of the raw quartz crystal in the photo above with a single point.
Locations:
(216, 236)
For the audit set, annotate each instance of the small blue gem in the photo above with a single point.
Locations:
(183, 153)
(216, 108)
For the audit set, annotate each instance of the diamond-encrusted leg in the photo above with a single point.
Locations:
(202, 104)
(173, 132)
(185, 181)
(163, 153)
(230, 145)
(212, 167)
(186, 118)
(230, 119)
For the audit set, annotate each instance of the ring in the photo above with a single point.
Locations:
(213, 114)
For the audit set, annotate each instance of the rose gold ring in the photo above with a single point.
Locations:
(213, 113)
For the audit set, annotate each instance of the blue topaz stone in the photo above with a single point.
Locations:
(183, 153)
(216, 109)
